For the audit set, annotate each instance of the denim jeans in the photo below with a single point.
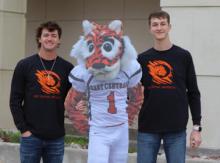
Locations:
(32, 149)
(174, 144)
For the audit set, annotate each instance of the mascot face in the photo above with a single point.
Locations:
(101, 49)
(105, 48)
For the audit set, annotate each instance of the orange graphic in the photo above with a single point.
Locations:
(160, 71)
(111, 98)
(49, 81)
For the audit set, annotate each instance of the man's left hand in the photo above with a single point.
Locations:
(195, 139)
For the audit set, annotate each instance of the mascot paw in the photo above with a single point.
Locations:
(132, 111)
(80, 121)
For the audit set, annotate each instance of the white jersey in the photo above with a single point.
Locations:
(107, 98)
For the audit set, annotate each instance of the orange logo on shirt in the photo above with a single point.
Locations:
(49, 81)
(160, 71)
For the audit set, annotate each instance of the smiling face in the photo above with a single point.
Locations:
(49, 40)
(159, 28)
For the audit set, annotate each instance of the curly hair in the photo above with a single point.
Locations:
(50, 26)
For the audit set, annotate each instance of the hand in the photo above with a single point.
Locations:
(195, 139)
(26, 134)
(136, 94)
(73, 97)
(82, 106)
(75, 105)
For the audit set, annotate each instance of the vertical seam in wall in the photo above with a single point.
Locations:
(45, 12)
(123, 17)
(84, 6)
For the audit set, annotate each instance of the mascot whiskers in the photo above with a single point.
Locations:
(108, 75)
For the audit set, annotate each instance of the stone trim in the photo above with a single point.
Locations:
(190, 3)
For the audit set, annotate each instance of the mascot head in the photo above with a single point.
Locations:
(103, 50)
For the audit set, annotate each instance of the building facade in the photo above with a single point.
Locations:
(195, 26)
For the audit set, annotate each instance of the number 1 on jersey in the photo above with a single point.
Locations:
(111, 99)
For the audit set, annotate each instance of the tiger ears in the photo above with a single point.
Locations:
(87, 27)
(115, 25)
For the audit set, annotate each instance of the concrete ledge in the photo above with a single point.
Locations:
(190, 3)
(9, 153)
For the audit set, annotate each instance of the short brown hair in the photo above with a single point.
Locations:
(159, 14)
(50, 26)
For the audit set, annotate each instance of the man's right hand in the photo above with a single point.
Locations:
(26, 134)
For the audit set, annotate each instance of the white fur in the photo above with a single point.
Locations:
(129, 55)
(108, 73)
(116, 26)
(87, 27)
(77, 51)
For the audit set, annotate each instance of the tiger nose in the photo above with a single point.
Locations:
(98, 65)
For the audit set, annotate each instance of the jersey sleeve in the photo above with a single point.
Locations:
(135, 74)
(76, 78)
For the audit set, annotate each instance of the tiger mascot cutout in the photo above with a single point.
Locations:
(108, 75)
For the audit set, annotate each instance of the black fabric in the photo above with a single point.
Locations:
(170, 87)
(37, 105)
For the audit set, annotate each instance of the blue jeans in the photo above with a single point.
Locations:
(32, 149)
(174, 144)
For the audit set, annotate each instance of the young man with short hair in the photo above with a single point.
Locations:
(38, 89)
(170, 85)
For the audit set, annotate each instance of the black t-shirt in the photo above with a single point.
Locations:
(37, 96)
(170, 85)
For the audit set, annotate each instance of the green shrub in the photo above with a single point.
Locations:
(10, 136)
(14, 137)
(82, 141)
